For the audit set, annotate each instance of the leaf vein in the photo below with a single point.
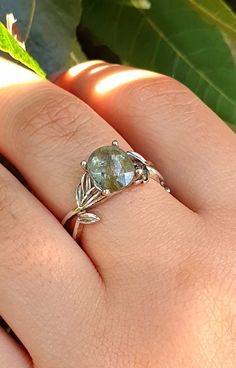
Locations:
(213, 16)
(188, 62)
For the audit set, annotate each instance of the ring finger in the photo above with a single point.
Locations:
(45, 132)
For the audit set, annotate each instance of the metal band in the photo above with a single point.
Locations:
(88, 194)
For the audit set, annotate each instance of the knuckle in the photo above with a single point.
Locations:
(161, 92)
(56, 117)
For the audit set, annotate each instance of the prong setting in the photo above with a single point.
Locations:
(106, 192)
(83, 164)
(115, 143)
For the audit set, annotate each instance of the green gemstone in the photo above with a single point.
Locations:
(110, 168)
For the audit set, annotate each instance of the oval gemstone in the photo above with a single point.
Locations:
(110, 168)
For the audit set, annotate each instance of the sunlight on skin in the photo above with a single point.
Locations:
(120, 78)
(98, 69)
(12, 74)
(77, 69)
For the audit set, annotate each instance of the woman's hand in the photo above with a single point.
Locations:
(153, 284)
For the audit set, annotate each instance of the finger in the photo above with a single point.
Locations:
(44, 276)
(167, 123)
(46, 132)
(11, 354)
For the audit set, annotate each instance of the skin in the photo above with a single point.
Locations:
(153, 284)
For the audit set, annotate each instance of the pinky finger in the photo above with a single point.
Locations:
(12, 355)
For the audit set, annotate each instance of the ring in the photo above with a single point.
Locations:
(109, 170)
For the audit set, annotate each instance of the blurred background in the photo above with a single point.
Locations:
(193, 41)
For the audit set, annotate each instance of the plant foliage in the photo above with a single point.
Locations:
(9, 44)
(193, 41)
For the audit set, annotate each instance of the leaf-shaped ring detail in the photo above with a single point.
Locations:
(109, 170)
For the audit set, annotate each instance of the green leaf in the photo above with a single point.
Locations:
(232, 4)
(173, 38)
(52, 37)
(218, 13)
(12, 47)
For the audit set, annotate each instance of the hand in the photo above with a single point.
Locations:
(153, 284)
